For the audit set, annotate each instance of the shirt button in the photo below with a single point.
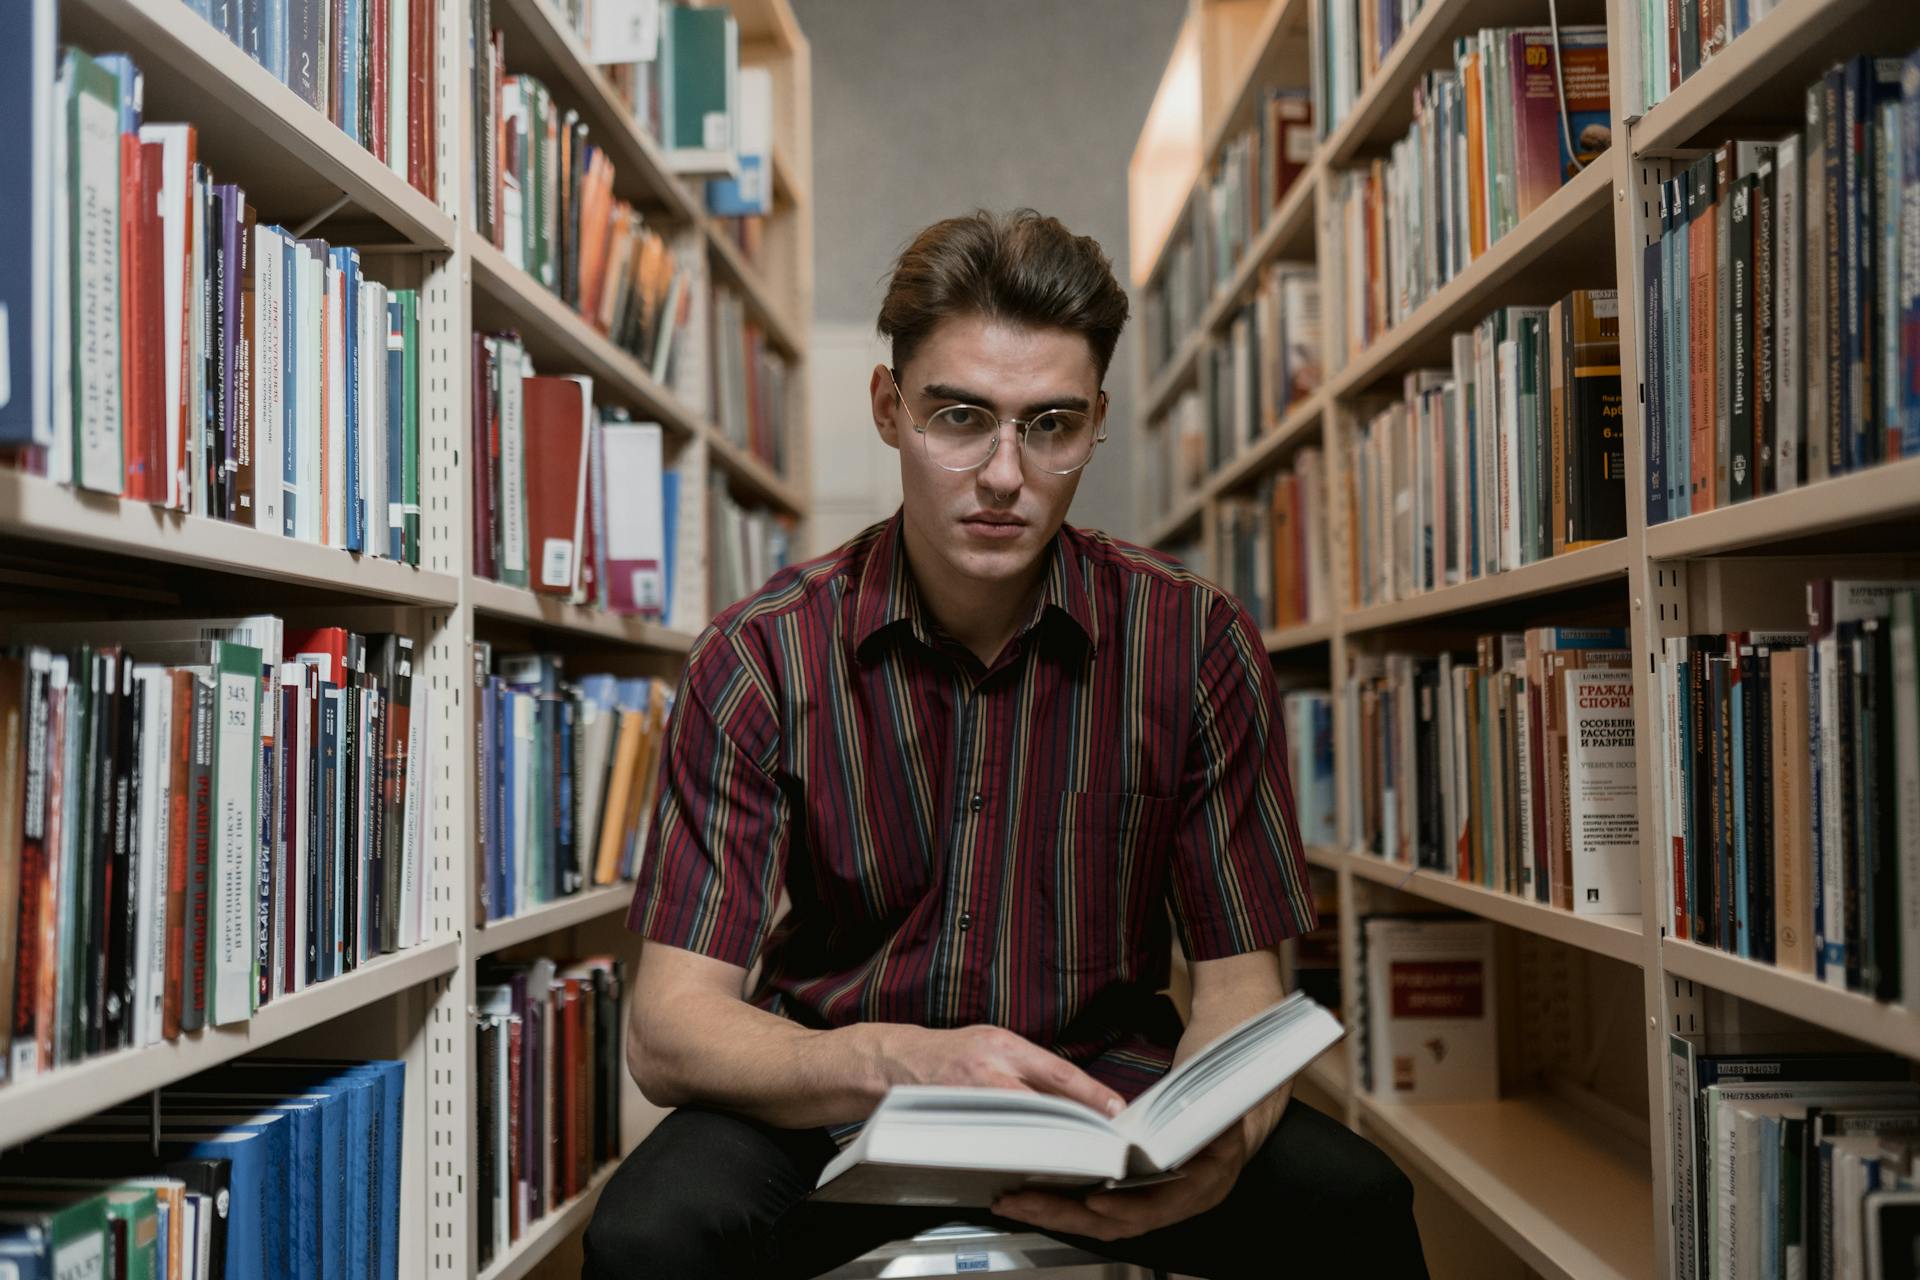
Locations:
(978, 802)
(966, 921)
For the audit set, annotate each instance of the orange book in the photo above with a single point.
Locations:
(1286, 568)
(620, 789)
(1469, 63)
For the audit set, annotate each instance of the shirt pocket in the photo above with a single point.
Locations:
(1106, 859)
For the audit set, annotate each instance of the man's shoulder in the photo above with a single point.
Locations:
(812, 586)
(1113, 563)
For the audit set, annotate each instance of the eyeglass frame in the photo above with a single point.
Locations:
(1021, 424)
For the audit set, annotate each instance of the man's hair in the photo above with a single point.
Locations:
(1021, 266)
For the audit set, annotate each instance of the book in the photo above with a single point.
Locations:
(1430, 1008)
(966, 1146)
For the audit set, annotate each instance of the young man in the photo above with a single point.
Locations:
(988, 758)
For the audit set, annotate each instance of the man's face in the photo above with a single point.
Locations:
(992, 523)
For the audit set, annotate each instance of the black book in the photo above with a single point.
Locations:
(1739, 340)
(486, 1037)
(1699, 748)
(1760, 832)
(1882, 835)
(1720, 810)
(1752, 734)
(327, 848)
(1765, 429)
(200, 834)
(123, 904)
(1842, 818)
(349, 818)
(103, 736)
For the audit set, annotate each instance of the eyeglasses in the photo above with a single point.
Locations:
(962, 437)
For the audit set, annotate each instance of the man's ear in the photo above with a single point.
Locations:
(887, 417)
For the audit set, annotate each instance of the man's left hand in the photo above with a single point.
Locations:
(1120, 1215)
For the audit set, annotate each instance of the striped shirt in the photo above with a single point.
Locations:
(968, 844)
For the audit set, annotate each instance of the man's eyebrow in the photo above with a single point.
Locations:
(960, 395)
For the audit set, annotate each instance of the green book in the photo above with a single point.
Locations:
(704, 47)
(138, 1209)
(93, 246)
(72, 1223)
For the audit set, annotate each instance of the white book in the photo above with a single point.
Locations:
(1788, 323)
(373, 415)
(1524, 780)
(334, 434)
(514, 368)
(956, 1145)
(269, 384)
(513, 116)
(60, 451)
(99, 461)
(312, 420)
(176, 227)
(1603, 817)
(398, 78)
(149, 841)
(1431, 1002)
(236, 789)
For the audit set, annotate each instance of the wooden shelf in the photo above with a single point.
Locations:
(293, 162)
(38, 1105)
(38, 510)
(1302, 636)
(1574, 1202)
(1573, 570)
(752, 287)
(1564, 244)
(1888, 495)
(1286, 234)
(1616, 937)
(1757, 84)
(1325, 857)
(540, 43)
(1252, 459)
(498, 600)
(544, 1236)
(561, 341)
(754, 478)
(549, 918)
(1383, 111)
(1892, 1027)
(787, 189)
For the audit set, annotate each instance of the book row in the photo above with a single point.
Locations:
(1791, 806)
(263, 1167)
(567, 769)
(1678, 37)
(200, 360)
(1352, 39)
(1489, 143)
(1511, 768)
(205, 815)
(1792, 1164)
(549, 459)
(544, 197)
(366, 65)
(749, 382)
(1271, 545)
(1255, 170)
(1783, 301)
(549, 1071)
(1308, 719)
(745, 545)
(1513, 455)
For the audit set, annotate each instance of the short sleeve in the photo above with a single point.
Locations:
(1239, 874)
(717, 845)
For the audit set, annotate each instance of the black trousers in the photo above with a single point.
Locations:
(710, 1194)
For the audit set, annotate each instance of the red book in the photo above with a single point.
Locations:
(556, 411)
(327, 642)
(180, 778)
(140, 320)
(419, 77)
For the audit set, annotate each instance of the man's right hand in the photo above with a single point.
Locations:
(989, 1056)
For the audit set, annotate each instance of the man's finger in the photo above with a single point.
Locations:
(1057, 1213)
(1053, 1074)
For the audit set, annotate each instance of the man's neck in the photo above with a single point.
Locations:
(982, 616)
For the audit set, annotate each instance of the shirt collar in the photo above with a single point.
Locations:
(888, 595)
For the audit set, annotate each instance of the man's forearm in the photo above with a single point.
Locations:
(715, 1051)
(1219, 1005)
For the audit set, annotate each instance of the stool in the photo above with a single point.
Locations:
(962, 1249)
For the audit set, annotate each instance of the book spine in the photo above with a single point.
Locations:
(1789, 322)
(1738, 365)
(193, 1013)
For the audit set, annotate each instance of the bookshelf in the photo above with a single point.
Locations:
(1545, 1171)
(72, 553)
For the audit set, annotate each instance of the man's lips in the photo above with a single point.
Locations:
(994, 526)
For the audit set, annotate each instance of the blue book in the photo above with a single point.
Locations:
(348, 262)
(670, 515)
(1654, 381)
(29, 105)
(509, 762)
(347, 66)
(23, 1246)
(306, 49)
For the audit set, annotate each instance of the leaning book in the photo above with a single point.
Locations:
(960, 1145)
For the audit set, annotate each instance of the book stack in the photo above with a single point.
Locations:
(1426, 1018)
(547, 1097)
(1177, 296)
(1799, 1164)
(202, 361)
(1791, 805)
(543, 194)
(567, 769)
(1309, 724)
(262, 1167)
(1184, 441)
(1512, 455)
(1512, 768)
(1272, 546)
(1268, 363)
(216, 813)
(746, 545)
(1782, 314)
(1256, 169)
(1352, 40)
(367, 65)
(546, 460)
(749, 382)
(1486, 148)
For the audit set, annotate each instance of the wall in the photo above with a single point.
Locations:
(925, 108)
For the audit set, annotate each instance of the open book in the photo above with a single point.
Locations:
(960, 1145)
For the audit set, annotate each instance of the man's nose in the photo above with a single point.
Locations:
(1003, 473)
